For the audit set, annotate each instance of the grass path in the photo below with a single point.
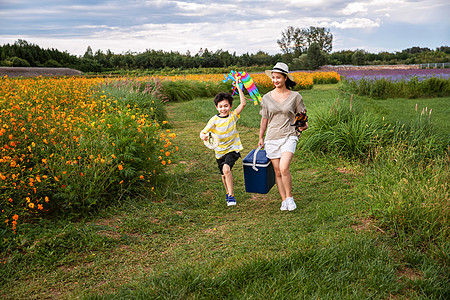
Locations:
(185, 243)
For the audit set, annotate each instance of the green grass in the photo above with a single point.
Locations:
(183, 242)
(403, 110)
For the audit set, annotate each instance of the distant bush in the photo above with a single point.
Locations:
(52, 63)
(16, 62)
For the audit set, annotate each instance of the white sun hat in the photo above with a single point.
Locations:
(280, 68)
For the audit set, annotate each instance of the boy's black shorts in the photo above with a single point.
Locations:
(229, 159)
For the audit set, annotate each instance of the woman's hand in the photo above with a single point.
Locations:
(261, 143)
(304, 127)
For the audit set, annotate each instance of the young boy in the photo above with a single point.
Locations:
(224, 126)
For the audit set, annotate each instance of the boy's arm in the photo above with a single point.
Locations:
(242, 100)
(204, 133)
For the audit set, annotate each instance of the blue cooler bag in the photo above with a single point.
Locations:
(258, 172)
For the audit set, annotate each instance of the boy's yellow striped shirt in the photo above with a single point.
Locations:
(225, 129)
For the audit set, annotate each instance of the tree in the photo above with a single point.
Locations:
(315, 56)
(295, 41)
(359, 57)
(320, 35)
(89, 53)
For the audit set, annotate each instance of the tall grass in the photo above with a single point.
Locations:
(410, 198)
(406, 181)
(346, 128)
(341, 129)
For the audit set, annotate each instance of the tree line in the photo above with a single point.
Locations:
(306, 48)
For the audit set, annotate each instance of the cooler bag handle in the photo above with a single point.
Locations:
(254, 159)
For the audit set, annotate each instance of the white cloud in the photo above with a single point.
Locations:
(355, 7)
(352, 23)
(233, 25)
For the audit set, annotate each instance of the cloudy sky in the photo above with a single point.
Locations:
(237, 26)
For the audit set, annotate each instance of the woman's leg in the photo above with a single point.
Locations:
(285, 162)
(283, 175)
(278, 178)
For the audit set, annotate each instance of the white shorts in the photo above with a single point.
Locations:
(274, 148)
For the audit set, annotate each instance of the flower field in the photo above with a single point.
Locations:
(394, 74)
(397, 83)
(304, 80)
(67, 146)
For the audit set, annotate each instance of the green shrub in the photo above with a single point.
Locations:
(381, 88)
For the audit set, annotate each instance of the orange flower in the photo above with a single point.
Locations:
(120, 167)
(167, 153)
(46, 199)
(141, 177)
(15, 217)
(31, 205)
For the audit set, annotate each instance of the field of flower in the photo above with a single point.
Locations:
(397, 83)
(394, 74)
(304, 80)
(67, 146)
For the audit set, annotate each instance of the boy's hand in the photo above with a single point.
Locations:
(203, 136)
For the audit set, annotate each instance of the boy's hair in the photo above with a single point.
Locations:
(223, 96)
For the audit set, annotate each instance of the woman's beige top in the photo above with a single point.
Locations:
(281, 115)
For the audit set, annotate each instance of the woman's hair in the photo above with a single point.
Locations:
(289, 83)
(223, 96)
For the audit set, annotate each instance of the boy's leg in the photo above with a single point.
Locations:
(225, 184)
(227, 179)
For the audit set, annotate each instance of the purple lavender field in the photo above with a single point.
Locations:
(394, 74)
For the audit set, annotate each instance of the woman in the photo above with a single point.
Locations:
(278, 110)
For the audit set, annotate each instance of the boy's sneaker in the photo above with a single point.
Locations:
(231, 201)
(290, 204)
(284, 205)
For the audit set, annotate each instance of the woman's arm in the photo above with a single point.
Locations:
(262, 130)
